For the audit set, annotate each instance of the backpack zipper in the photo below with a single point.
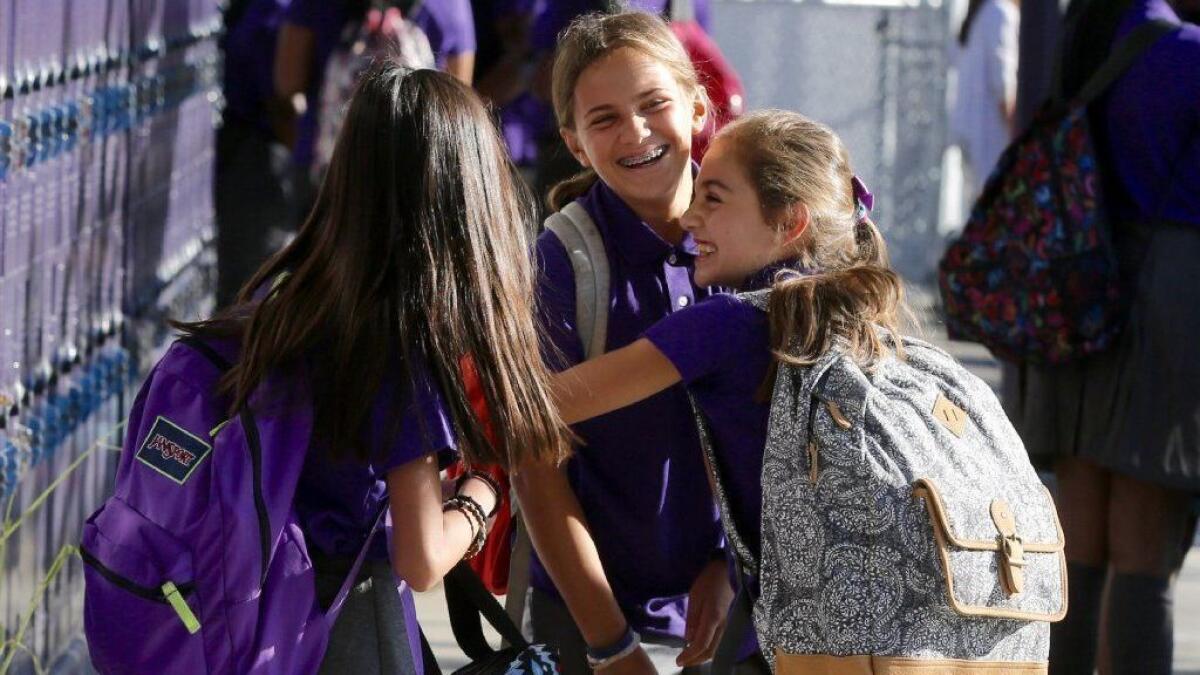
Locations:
(168, 594)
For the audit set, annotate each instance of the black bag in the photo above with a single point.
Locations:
(467, 600)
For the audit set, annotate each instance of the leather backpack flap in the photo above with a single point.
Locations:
(1017, 571)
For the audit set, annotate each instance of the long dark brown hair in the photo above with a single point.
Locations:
(415, 252)
(850, 291)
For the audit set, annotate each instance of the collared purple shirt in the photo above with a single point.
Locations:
(639, 475)
(1153, 123)
(721, 348)
(336, 501)
(449, 25)
(560, 13)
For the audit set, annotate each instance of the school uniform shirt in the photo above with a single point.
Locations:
(639, 473)
(449, 25)
(721, 348)
(337, 500)
(1153, 123)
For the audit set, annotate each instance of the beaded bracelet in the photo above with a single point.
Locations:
(487, 480)
(473, 512)
(606, 656)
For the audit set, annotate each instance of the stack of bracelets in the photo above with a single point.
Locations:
(472, 511)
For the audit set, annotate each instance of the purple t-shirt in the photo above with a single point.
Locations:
(639, 475)
(1153, 122)
(721, 348)
(336, 501)
(449, 25)
(560, 13)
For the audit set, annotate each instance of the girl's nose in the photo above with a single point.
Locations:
(690, 220)
(635, 129)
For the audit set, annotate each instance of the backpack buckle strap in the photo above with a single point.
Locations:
(1012, 548)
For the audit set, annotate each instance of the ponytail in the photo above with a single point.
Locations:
(567, 191)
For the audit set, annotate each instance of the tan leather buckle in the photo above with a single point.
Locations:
(1012, 549)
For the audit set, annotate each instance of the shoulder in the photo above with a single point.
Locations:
(711, 335)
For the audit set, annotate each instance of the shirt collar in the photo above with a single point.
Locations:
(629, 235)
(765, 277)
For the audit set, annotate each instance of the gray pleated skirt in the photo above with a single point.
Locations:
(1136, 408)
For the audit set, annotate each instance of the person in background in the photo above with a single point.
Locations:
(984, 108)
(261, 137)
(450, 27)
(1121, 428)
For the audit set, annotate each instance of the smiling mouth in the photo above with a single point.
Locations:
(643, 160)
(704, 249)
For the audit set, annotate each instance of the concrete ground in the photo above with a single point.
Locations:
(432, 611)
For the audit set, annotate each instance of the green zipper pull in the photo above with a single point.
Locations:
(181, 607)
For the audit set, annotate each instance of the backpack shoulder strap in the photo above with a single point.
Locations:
(589, 260)
(204, 349)
(1124, 55)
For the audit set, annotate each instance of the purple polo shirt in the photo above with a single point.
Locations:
(449, 25)
(639, 474)
(325, 18)
(560, 13)
(721, 348)
(336, 501)
(1153, 123)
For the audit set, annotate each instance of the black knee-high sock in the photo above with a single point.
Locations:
(1073, 640)
(1140, 626)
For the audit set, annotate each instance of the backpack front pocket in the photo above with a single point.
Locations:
(141, 608)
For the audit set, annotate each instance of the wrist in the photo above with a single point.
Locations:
(481, 488)
(601, 657)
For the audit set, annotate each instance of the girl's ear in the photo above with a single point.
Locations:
(699, 114)
(800, 218)
(572, 140)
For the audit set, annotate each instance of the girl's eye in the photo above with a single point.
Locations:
(710, 198)
(657, 104)
(602, 121)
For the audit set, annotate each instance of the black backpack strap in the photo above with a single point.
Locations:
(207, 352)
(1124, 55)
(466, 599)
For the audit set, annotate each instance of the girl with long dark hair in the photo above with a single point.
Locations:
(413, 262)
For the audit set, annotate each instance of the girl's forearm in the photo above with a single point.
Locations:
(559, 532)
(612, 381)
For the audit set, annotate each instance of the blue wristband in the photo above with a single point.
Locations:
(598, 658)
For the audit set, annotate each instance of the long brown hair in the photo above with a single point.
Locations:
(415, 252)
(850, 290)
(589, 39)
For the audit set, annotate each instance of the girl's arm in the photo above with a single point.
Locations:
(559, 532)
(427, 543)
(614, 380)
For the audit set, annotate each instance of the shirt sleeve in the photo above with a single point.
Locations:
(425, 424)
(999, 30)
(449, 25)
(561, 346)
(706, 338)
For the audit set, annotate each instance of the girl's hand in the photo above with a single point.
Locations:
(637, 663)
(708, 607)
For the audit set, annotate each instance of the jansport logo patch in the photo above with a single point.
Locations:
(172, 451)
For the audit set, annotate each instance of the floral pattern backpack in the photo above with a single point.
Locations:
(1033, 276)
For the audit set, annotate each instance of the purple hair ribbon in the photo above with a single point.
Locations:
(864, 201)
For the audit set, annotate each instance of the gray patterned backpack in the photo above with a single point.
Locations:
(903, 527)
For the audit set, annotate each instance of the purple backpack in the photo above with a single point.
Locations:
(196, 563)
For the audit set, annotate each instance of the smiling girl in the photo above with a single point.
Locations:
(776, 206)
(650, 559)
